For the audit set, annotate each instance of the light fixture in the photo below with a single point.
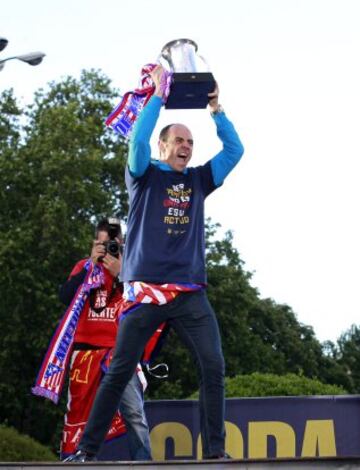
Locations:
(3, 43)
(32, 58)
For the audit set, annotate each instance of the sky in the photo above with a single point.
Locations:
(289, 79)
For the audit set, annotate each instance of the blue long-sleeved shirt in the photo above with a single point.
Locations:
(165, 236)
(140, 151)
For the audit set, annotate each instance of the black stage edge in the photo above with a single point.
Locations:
(340, 463)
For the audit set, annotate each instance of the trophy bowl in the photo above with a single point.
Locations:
(191, 79)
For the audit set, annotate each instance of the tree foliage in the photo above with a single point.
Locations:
(346, 355)
(258, 335)
(272, 385)
(16, 447)
(60, 169)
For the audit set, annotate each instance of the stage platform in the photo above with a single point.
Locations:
(340, 463)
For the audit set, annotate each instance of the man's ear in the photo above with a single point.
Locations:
(161, 146)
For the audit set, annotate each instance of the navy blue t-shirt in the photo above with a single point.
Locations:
(165, 230)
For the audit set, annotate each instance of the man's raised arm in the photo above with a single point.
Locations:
(139, 145)
(232, 151)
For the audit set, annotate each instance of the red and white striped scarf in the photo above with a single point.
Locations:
(137, 293)
(51, 377)
(147, 293)
(122, 118)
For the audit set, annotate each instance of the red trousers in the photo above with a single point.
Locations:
(84, 379)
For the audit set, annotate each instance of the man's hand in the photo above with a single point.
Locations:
(98, 251)
(214, 99)
(112, 264)
(157, 77)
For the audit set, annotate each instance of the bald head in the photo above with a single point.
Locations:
(175, 146)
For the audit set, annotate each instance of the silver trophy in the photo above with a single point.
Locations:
(191, 80)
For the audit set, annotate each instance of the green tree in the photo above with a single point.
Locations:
(16, 447)
(272, 385)
(258, 335)
(9, 123)
(346, 353)
(267, 385)
(60, 169)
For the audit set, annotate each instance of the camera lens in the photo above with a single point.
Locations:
(113, 247)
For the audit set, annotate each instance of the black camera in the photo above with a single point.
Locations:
(112, 246)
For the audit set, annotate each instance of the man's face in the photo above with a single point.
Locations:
(176, 151)
(102, 236)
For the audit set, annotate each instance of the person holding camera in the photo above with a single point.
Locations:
(94, 340)
(164, 265)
